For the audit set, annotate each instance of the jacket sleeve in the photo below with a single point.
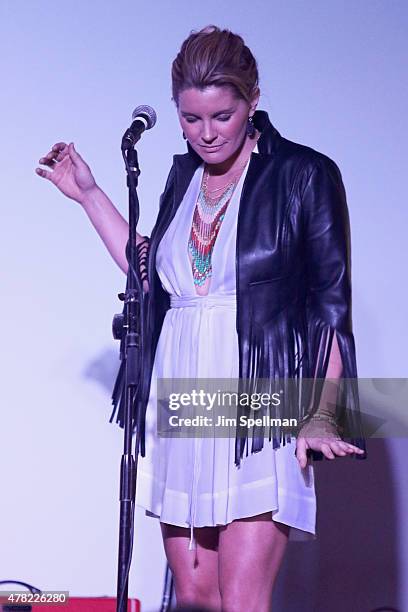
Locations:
(118, 394)
(169, 180)
(328, 281)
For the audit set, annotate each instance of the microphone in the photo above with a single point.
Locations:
(143, 118)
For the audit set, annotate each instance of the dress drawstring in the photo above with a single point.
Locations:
(193, 498)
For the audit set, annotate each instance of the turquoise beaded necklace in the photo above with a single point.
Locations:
(207, 218)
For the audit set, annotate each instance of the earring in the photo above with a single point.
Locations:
(184, 136)
(250, 127)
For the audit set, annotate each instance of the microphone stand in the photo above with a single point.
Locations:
(129, 328)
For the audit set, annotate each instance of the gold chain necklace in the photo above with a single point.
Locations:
(236, 174)
(223, 187)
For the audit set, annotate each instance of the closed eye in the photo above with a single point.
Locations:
(221, 118)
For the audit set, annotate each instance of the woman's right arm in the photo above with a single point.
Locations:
(109, 223)
(71, 174)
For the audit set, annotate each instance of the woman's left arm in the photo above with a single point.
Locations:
(327, 235)
(321, 431)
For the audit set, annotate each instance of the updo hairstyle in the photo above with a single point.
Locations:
(215, 57)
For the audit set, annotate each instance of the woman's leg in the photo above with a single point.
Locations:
(250, 552)
(195, 572)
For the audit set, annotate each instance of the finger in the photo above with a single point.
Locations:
(344, 445)
(356, 449)
(62, 155)
(348, 445)
(74, 155)
(350, 448)
(54, 154)
(44, 173)
(46, 161)
(58, 147)
(327, 451)
(300, 452)
(337, 448)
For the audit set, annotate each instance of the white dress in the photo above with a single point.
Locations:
(194, 482)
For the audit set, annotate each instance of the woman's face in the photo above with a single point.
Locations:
(214, 121)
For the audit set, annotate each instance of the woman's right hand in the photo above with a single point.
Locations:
(68, 171)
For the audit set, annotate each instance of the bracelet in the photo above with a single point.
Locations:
(142, 252)
(322, 417)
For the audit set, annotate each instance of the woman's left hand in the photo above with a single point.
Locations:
(328, 442)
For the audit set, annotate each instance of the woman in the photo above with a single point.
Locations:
(280, 276)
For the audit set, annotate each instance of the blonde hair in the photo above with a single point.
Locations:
(215, 57)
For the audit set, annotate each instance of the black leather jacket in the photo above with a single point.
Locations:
(292, 274)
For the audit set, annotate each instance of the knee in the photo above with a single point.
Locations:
(196, 596)
(232, 599)
(240, 601)
(187, 595)
(231, 604)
